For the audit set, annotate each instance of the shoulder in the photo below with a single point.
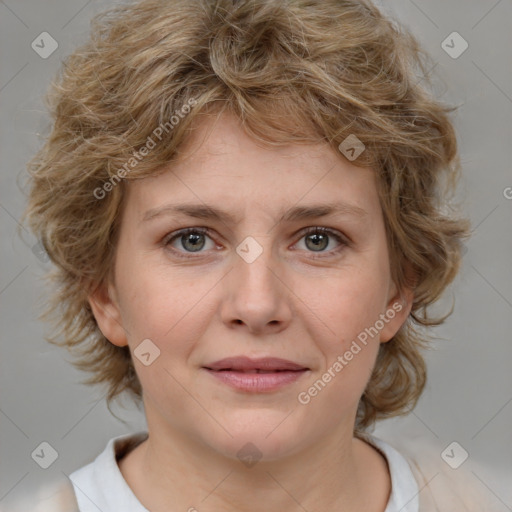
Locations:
(444, 482)
(60, 495)
(56, 496)
(100, 485)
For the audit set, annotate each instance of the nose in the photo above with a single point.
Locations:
(256, 295)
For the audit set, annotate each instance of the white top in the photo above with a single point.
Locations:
(100, 485)
(473, 487)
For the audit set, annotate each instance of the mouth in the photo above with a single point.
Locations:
(247, 365)
(256, 375)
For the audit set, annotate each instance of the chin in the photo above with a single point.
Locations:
(260, 436)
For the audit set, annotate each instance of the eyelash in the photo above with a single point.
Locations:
(205, 231)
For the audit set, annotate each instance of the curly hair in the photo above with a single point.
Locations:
(293, 71)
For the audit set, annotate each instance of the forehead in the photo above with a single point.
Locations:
(224, 169)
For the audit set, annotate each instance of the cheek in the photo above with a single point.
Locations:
(164, 306)
(347, 310)
(347, 304)
(172, 315)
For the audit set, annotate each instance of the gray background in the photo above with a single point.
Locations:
(469, 394)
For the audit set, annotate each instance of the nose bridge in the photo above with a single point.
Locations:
(255, 269)
(256, 296)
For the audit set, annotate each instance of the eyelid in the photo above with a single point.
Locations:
(330, 231)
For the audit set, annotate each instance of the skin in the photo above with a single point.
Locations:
(294, 301)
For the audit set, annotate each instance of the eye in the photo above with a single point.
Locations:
(317, 239)
(185, 242)
(189, 240)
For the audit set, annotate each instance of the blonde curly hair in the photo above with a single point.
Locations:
(293, 71)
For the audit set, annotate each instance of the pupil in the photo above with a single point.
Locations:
(320, 240)
(195, 238)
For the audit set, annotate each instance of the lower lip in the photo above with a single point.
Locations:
(257, 382)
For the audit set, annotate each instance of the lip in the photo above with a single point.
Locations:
(256, 375)
(243, 363)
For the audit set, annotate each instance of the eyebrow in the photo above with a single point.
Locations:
(207, 212)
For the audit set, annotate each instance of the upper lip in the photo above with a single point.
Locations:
(244, 363)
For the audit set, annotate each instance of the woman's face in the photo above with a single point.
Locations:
(256, 280)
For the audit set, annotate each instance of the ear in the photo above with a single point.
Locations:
(397, 310)
(106, 311)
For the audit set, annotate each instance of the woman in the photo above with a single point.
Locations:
(247, 232)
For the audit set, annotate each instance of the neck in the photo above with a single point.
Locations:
(340, 473)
